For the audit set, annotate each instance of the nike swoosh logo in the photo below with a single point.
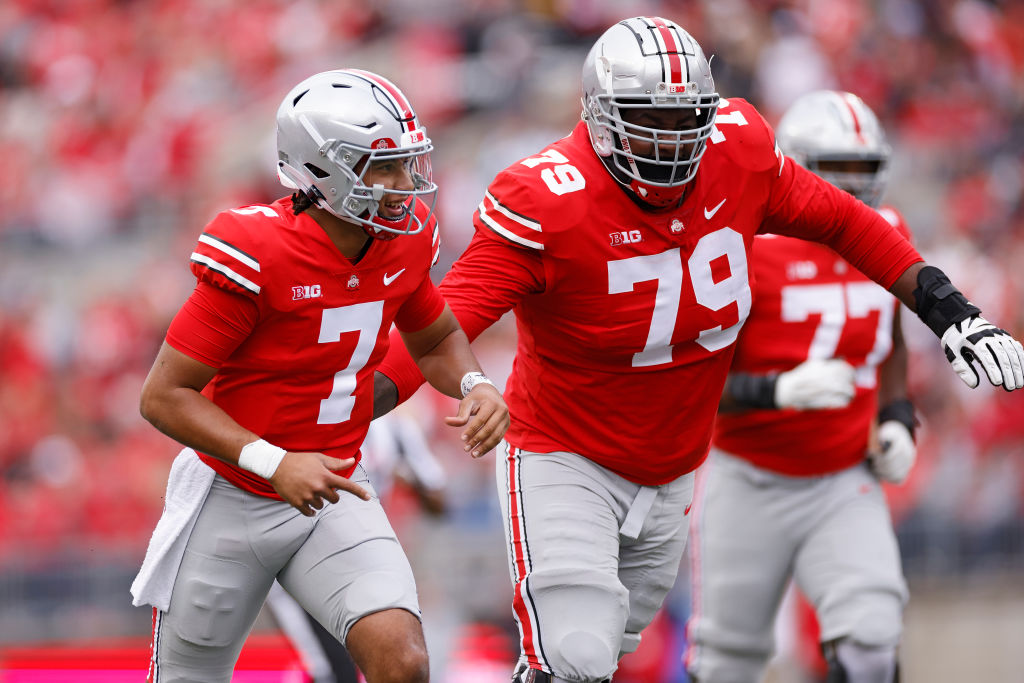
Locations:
(687, 510)
(388, 279)
(709, 214)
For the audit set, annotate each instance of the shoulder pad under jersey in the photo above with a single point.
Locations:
(742, 134)
(541, 195)
(228, 254)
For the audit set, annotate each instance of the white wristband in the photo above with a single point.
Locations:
(471, 379)
(260, 457)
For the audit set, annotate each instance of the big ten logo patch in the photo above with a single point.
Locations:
(305, 292)
(625, 237)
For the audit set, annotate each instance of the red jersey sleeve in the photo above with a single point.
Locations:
(510, 273)
(211, 324)
(221, 260)
(801, 202)
(421, 308)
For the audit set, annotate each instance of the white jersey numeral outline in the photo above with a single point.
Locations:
(667, 269)
(364, 318)
(735, 118)
(835, 303)
(561, 179)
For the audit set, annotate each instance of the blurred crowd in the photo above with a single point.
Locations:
(125, 125)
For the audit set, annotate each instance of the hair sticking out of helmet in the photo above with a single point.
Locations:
(835, 135)
(649, 102)
(333, 128)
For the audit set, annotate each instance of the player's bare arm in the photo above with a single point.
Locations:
(172, 403)
(385, 394)
(442, 352)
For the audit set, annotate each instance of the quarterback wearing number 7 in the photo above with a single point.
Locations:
(622, 250)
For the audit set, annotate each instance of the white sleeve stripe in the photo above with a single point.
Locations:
(512, 215)
(504, 232)
(437, 257)
(230, 251)
(226, 272)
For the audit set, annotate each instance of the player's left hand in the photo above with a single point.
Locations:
(484, 415)
(976, 339)
(897, 452)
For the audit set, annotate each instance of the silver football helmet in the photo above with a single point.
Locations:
(837, 136)
(332, 126)
(648, 63)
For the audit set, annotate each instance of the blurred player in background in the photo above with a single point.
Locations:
(266, 372)
(395, 451)
(623, 251)
(792, 489)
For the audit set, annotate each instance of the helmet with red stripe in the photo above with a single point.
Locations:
(837, 136)
(332, 127)
(649, 102)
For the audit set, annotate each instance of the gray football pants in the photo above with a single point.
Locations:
(592, 557)
(340, 565)
(753, 530)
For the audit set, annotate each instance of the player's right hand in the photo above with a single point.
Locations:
(306, 481)
(976, 339)
(484, 415)
(896, 452)
(815, 385)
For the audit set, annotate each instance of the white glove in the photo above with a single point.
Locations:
(816, 384)
(898, 452)
(1000, 355)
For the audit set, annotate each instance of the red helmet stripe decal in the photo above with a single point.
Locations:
(672, 50)
(856, 121)
(408, 117)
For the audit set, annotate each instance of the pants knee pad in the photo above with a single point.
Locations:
(582, 616)
(852, 662)
(211, 616)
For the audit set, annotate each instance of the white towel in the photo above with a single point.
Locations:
(187, 487)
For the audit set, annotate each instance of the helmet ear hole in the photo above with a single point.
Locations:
(317, 171)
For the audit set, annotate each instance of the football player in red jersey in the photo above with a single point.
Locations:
(792, 487)
(266, 372)
(623, 250)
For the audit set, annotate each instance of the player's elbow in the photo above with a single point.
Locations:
(152, 403)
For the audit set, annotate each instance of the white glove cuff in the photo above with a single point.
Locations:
(471, 379)
(261, 458)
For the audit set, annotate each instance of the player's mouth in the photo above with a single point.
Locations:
(392, 211)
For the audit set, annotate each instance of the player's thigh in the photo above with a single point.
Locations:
(562, 536)
(218, 592)
(741, 553)
(649, 564)
(850, 568)
(351, 565)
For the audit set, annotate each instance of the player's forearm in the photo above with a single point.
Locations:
(892, 385)
(446, 364)
(903, 288)
(385, 395)
(745, 391)
(191, 419)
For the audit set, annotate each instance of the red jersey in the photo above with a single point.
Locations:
(810, 304)
(626, 318)
(295, 329)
